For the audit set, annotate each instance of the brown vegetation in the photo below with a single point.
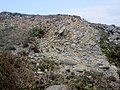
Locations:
(13, 73)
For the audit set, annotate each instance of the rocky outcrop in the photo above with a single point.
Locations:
(70, 41)
(113, 32)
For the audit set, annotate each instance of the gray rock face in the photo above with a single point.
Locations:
(58, 87)
(68, 40)
(112, 31)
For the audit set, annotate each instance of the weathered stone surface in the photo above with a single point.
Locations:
(68, 62)
(58, 87)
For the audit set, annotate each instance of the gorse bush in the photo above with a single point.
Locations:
(7, 72)
(13, 73)
(37, 32)
(33, 32)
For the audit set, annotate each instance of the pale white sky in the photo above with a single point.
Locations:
(100, 11)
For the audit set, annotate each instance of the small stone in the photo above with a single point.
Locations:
(37, 64)
(40, 72)
(39, 69)
(114, 67)
(46, 70)
(104, 67)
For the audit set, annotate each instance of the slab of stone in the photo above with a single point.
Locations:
(68, 62)
(58, 87)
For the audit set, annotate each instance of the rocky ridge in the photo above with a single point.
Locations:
(70, 41)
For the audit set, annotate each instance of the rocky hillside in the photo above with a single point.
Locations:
(66, 47)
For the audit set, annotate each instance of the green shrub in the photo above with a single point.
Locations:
(35, 47)
(48, 64)
(10, 47)
(25, 44)
(118, 72)
(37, 32)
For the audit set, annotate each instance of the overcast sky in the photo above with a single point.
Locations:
(100, 11)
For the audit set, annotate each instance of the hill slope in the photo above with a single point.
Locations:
(71, 42)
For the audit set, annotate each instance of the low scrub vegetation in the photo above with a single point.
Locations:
(9, 47)
(13, 73)
(37, 32)
(111, 50)
(31, 34)
(17, 73)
